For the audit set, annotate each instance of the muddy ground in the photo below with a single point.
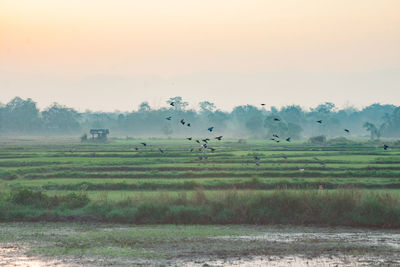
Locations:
(60, 244)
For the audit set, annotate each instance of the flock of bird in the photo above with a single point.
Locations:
(204, 143)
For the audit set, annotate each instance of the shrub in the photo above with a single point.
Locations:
(317, 140)
(84, 138)
(25, 196)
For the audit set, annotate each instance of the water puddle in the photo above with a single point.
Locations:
(296, 261)
(367, 238)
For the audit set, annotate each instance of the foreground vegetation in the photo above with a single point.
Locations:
(340, 207)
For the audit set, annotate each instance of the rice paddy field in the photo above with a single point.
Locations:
(118, 169)
(231, 190)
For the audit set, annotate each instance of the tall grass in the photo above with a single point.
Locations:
(311, 207)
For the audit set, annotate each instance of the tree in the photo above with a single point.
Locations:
(178, 102)
(325, 108)
(144, 107)
(374, 131)
(206, 106)
(21, 116)
(60, 119)
(392, 122)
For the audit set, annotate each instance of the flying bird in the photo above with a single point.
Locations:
(211, 128)
(189, 138)
(277, 141)
(188, 125)
(183, 122)
(385, 147)
(198, 141)
(347, 130)
(168, 118)
(219, 137)
(136, 148)
(144, 144)
(172, 104)
(162, 151)
(276, 119)
(263, 104)
(320, 121)
(205, 140)
(212, 149)
(288, 139)
(275, 135)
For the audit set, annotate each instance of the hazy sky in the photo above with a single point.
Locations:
(112, 55)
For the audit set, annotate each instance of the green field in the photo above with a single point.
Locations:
(118, 166)
(121, 175)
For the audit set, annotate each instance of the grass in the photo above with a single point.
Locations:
(114, 174)
(310, 207)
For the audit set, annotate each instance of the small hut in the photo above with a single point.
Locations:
(99, 134)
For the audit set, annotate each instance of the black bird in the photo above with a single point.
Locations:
(212, 149)
(275, 135)
(144, 144)
(347, 130)
(219, 137)
(205, 140)
(277, 141)
(168, 118)
(256, 157)
(263, 104)
(273, 139)
(385, 147)
(189, 138)
(188, 125)
(204, 145)
(198, 141)
(172, 104)
(211, 128)
(288, 139)
(136, 148)
(320, 121)
(183, 122)
(162, 151)
(276, 119)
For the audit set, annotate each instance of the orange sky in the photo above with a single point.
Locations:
(44, 43)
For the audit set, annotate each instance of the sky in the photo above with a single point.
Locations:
(113, 55)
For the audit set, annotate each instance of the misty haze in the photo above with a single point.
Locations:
(199, 133)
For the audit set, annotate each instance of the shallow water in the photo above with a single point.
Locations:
(360, 238)
(280, 246)
(298, 261)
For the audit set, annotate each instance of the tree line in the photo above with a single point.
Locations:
(22, 117)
